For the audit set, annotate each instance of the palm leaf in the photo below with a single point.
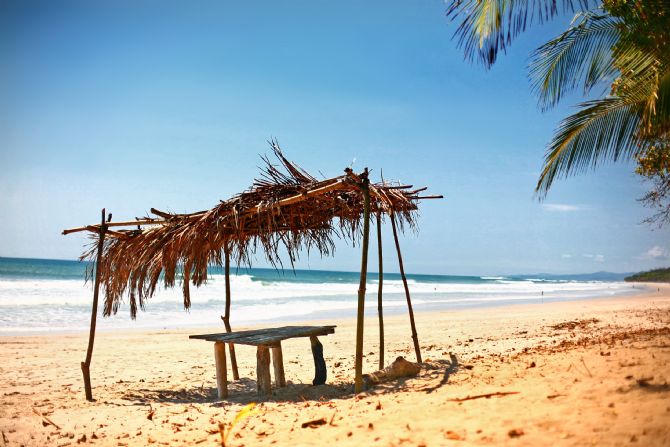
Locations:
(488, 26)
(603, 130)
(580, 55)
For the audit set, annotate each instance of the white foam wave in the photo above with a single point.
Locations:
(27, 305)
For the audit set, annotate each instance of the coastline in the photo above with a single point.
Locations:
(591, 355)
(57, 312)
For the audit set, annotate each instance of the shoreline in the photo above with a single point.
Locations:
(399, 308)
(592, 371)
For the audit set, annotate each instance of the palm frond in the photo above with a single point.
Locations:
(603, 130)
(488, 27)
(580, 55)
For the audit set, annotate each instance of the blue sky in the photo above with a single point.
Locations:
(169, 104)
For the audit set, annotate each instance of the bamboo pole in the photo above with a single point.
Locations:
(415, 337)
(226, 317)
(365, 188)
(85, 365)
(380, 312)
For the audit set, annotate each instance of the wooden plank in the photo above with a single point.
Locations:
(278, 365)
(221, 372)
(263, 381)
(268, 336)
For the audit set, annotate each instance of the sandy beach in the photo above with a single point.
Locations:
(574, 373)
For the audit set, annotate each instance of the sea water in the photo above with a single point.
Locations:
(38, 295)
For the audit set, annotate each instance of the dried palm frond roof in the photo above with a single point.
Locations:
(285, 209)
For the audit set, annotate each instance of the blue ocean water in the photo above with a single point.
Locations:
(38, 295)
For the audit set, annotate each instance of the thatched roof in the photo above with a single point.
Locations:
(286, 208)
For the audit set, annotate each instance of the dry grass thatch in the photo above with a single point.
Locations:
(285, 210)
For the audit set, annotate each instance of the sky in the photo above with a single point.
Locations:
(132, 105)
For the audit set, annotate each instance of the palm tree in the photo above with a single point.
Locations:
(617, 45)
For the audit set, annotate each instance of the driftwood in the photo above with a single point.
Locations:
(398, 369)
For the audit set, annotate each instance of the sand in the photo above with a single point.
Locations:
(578, 373)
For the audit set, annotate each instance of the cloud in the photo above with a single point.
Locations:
(596, 258)
(560, 207)
(656, 252)
(566, 256)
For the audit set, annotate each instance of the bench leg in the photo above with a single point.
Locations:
(278, 364)
(319, 363)
(221, 373)
(263, 380)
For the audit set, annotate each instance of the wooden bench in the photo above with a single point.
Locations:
(267, 340)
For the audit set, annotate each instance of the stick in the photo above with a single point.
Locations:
(484, 396)
(365, 188)
(380, 311)
(85, 365)
(415, 337)
(46, 420)
(226, 317)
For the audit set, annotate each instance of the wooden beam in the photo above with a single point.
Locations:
(380, 311)
(278, 365)
(395, 187)
(221, 370)
(427, 197)
(263, 381)
(415, 337)
(365, 188)
(417, 190)
(336, 183)
(132, 223)
(160, 213)
(85, 365)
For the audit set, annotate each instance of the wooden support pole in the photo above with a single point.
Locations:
(85, 365)
(263, 380)
(278, 365)
(365, 188)
(320, 370)
(380, 311)
(226, 316)
(221, 369)
(415, 337)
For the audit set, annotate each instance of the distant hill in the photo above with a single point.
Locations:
(658, 275)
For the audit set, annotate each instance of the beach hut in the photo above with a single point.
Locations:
(286, 209)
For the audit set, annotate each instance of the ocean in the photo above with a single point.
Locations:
(40, 295)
